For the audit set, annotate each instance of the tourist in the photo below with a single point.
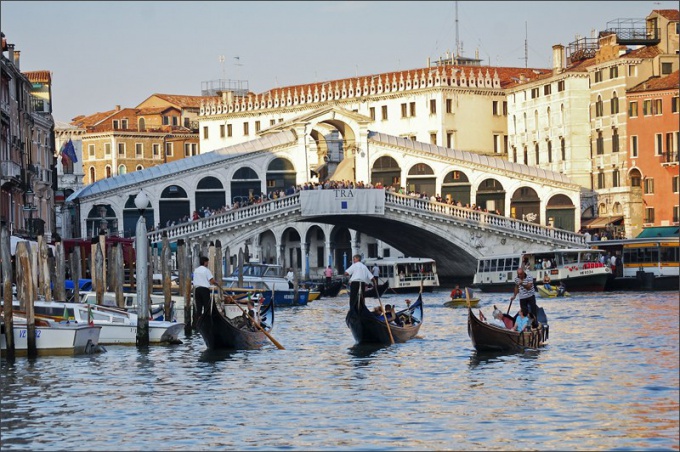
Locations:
(203, 280)
(561, 289)
(359, 275)
(329, 275)
(497, 319)
(456, 293)
(522, 321)
(546, 282)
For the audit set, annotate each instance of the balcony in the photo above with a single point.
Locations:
(10, 170)
(669, 158)
(633, 32)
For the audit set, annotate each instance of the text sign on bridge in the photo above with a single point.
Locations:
(345, 201)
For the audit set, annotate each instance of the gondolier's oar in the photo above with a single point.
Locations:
(511, 300)
(274, 341)
(389, 330)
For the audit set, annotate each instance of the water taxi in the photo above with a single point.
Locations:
(582, 270)
(406, 274)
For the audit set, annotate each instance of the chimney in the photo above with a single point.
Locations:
(117, 107)
(558, 58)
(17, 54)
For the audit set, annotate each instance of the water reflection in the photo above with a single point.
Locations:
(362, 352)
(213, 356)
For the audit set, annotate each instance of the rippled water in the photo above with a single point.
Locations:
(607, 380)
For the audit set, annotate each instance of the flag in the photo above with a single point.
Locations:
(69, 151)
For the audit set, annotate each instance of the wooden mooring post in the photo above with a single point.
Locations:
(118, 274)
(6, 258)
(76, 269)
(184, 270)
(218, 268)
(99, 274)
(167, 281)
(60, 271)
(23, 259)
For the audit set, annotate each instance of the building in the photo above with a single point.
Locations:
(26, 148)
(653, 130)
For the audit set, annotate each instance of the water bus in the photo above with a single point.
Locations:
(582, 270)
(405, 274)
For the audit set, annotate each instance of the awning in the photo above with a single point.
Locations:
(601, 222)
(659, 231)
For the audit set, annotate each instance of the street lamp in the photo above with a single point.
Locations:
(141, 245)
(29, 206)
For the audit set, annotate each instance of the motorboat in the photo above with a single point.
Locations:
(52, 337)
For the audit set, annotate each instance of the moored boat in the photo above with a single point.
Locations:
(486, 337)
(367, 327)
(52, 337)
(118, 326)
(225, 326)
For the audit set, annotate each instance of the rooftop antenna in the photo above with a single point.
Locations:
(237, 64)
(526, 45)
(221, 60)
(457, 41)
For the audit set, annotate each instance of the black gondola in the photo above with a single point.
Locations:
(368, 328)
(332, 289)
(369, 291)
(486, 338)
(233, 332)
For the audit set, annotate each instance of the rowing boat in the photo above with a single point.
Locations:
(226, 327)
(456, 302)
(367, 327)
(486, 337)
(553, 293)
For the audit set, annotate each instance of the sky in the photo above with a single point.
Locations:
(102, 54)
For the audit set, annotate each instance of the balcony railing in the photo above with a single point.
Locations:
(10, 169)
(670, 158)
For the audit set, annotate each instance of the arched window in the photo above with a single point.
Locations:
(92, 175)
(121, 169)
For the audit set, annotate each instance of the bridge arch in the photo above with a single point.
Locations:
(245, 183)
(281, 175)
(490, 195)
(457, 187)
(173, 204)
(525, 205)
(210, 193)
(421, 179)
(560, 211)
(386, 171)
(131, 215)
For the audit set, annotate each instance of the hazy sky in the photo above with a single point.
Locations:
(102, 54)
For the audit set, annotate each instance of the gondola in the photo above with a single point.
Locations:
(369, 291)
(367, 328)
(487, 337)
(225, 327)
(332, 289)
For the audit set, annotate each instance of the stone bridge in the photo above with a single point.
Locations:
(454, 236)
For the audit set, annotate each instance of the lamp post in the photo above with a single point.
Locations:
(141, 245)
(29, 206)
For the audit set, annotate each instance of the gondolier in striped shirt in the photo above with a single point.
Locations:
(203, 279)
(358, 274)
(524, 287)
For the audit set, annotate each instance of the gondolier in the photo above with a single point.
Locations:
(358, 273)
(203, 279)
(524, 287)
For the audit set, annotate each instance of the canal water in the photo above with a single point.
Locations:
(607, 380)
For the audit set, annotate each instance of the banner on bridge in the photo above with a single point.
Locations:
(342, 201)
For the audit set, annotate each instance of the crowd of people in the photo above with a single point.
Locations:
(243, 201)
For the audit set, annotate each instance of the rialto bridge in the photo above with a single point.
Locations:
(536, 208)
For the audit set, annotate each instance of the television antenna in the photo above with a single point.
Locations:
(221, 60)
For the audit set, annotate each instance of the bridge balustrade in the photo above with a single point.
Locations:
(291, 203)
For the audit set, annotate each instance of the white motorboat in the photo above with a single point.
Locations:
(52, 337)
(118, 326)
(156, 306)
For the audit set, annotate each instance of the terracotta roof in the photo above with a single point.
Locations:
(154, 110)
(505, 76)
(38, 76)
(643, 52)
(91, 120)
(670, 14)
(183, 101)
(671, 81)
